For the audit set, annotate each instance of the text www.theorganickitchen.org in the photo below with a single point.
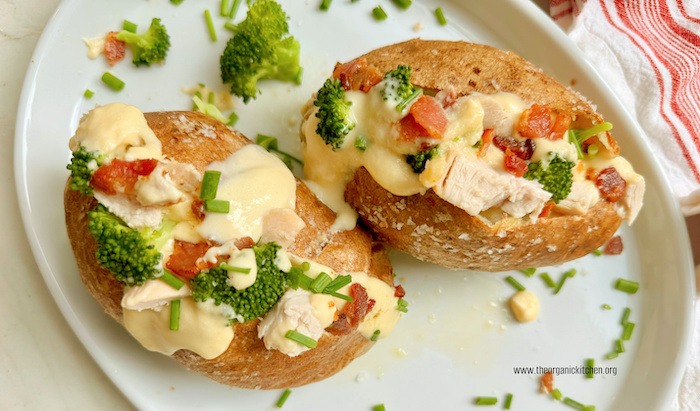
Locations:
(569, 370)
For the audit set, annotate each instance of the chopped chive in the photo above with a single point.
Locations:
(619, 346)
(627, 286)
(283, 398)
(325, 5)
(341, 296)
(625, 316)
(573, 140)
(217, 206)
(225, 8)
(175, 315)
(409, 100)
(379, 14)
(379, 407)
(589, 408)
(606, 307)
(402, 305)
(486, 401)
(88, 93)
(338, 283)
(112, 81)
(548, 280)
(361, 142)
(320, 282)
(129, 26)
(375, 335)
(210, 184)
(529, 271)
(232, 119)
(210, 25)
(585, 134)
(402, 4)
(512, 281)
(234, 9)
(573, 404)
(611, 355)
(508, 400)
(562, 280)
(570, 273)
(296, 278)
(230, 26)
(589, 364)
(592, 151)
(440, 16)
(242, 270)
(301, 338)
(556, 394)
(266, 142)
(211, 98)
(305, 266)
(597, 253)
(172, 280)
(176, 2)
(627, 331)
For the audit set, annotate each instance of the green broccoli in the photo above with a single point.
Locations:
(132, 255)
(251, 302)
(398, 88)
(556, 177)
(420, 160)
(82, 164)
(149, 47)
(261, 48)
(335, 118)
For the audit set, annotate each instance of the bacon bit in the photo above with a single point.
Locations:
(353, 312)
(428, 112)
(561, 126)
(244, 242)
(114, 49)
(341, 326)
(357, 75)
(547, 209)
(547, 382)
(183, 260)
(119, 176)
(486, 140)
(611, 185)
(370, 304)
(514, 164)
(521, 148)
(410, 130)
(614, 246)
(535, 122)
(399, 292)
(591, 174)
(197, 208)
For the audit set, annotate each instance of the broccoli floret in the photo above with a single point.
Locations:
(420, 160)
(398, 84)
(150, 46)
(261, 48)
(335, 118)
(82, 164)
(132, 255)
(556, 177)
(251, 302)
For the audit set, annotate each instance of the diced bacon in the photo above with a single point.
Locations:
(114, 49)
(561, 126)
(540, 121)
(547, 209)
(614, 246)
(183, 260)
(514, 164)
(486, 140)
(341, 326)
(244, 242)
(611, 185)
(547, 382)
(591, 174)
(521, 148)
(410, 130)
(357, 75)
(197, 208)
(119, 176)
(353, 312)
(399, 292)
(428, 112)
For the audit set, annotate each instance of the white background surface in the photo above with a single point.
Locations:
(43, 365)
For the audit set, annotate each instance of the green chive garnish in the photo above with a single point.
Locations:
(129, 26)
(375, 335)
(529, 271)
(270, 143)
(548, 280)
(619, 346)
(402, 4)
(440, 16)
(573, 140)
(625, 316)
(597, 253)
(232, 119)
(301, 338)
(627, 286)
(338, 283)
(627, 331)
(585, 134)
(512, 281)
(592, 151)
(210, 25)
(306, 266)
(341, 296)
(175, 315)
(112, 81)
(486, 401)
(217, 206)
(283, 398)
(606, 307)
(320, 282)
(556, 394)
(234, 9)
(508, 400)
(225, 8)
(361, 142)
(409, 100)
(402, 305)
(611, 355)
(242, 270)
(88, 93)
(379, 407)
(573, 404)
(563, 278)
(296, 278)
(176, 2)
(230, 26)
(325, 5)
(210, 184)
(172, 280)
(589, 408)
(589, 364)
(379, 14)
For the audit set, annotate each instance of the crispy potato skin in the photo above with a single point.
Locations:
(198, 139)
(431, 229)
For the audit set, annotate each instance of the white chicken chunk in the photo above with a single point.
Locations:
(583, 196)
(152, 295)
(281, 225)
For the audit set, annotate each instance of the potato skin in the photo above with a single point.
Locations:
(433, 230)
(198, 139)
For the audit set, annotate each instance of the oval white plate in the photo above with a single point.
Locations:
(458, 341)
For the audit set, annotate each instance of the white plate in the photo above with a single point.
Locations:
(457, 341)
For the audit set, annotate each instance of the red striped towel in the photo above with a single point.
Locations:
(649, 53)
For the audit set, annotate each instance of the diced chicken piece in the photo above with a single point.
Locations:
(134, 215)
(472, 185)
(583, 196)
(168, 184)
(152, 295)
(633, 199)
(501, 111)
(281, 225)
